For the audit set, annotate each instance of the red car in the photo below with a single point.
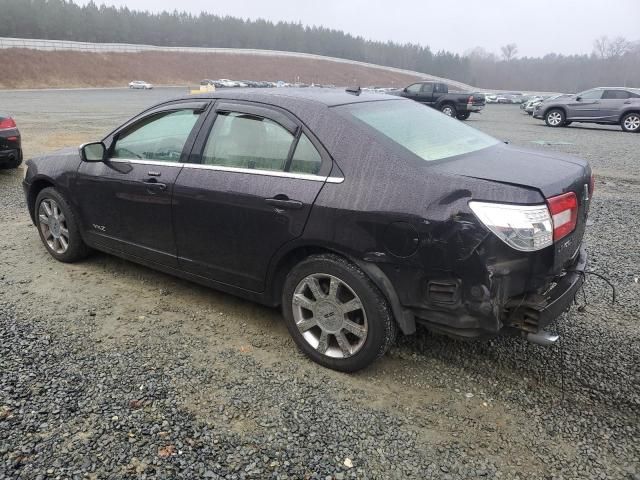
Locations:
(10, 148)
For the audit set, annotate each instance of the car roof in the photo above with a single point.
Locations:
(330, 97)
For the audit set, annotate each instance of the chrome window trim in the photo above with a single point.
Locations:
(159, 163)
(249, 171)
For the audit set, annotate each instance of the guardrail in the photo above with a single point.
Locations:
(68, 45)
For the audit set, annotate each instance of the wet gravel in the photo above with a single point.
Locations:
(111, 370)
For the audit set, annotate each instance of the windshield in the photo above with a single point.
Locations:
(424, 131)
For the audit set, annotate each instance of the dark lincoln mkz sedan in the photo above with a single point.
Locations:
(357, 214)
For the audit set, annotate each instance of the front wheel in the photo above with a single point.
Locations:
(335, 314)
(463, 116)
(58, 227)
(631, 122)
(449, 110)
(554, 118)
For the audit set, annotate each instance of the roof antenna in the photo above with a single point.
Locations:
(354, 90)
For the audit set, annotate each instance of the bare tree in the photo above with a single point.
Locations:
(618, 47)
(509, 51)
(601, 46)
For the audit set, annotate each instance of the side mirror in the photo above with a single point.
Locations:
(93, 152)
(578, 99)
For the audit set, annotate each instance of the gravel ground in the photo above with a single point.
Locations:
(112, 370)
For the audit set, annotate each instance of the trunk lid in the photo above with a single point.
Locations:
(550, 173)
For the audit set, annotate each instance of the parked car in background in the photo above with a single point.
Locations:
(207, 85)
(502, 99)
(437, 95)
(530, 102)
(140, 84)
(515, 97)
(10, 143)
(225, 82)
(253, 193)
(531, 105)
(602, 105)
(490, 98)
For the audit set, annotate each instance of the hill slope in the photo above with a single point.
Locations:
(26, 68)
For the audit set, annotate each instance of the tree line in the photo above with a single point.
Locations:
(613, 62)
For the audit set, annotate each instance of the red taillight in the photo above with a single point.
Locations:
(564, 214)
(592, 185)
(470, 99)
(7, 123)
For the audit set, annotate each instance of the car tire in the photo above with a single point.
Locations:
(449, 110)
(61, 234)
(314, 296)
(555, 118)
(631, 122)
(463, 116)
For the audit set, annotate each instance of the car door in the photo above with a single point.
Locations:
(585, 105)
(427, 93)
(257, 176)
(413, 91)
(126, 199)
(612, 104)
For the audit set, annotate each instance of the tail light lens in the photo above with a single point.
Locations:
(7, 123)
(470, 100)
(564, 214)
(524, 227)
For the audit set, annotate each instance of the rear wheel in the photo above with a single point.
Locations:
(554, 118)
(463, 116)
(335, 314)
(449, 110)
(631, 122)
(58, 228)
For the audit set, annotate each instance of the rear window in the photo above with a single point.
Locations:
(422, 130)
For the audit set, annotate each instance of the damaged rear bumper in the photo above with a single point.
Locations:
(531, 312)
(525, 315)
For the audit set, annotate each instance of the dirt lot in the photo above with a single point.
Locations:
(23, 68)
(112, 370)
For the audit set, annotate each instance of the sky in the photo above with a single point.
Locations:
(538, 27)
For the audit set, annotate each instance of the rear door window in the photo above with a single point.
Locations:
(427, 88)
(615, 95)
(306, 158)
(241, 140)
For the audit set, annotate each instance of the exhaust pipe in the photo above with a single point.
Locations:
(543, 338)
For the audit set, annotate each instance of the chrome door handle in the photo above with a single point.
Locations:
(154, 186)
(282, 201)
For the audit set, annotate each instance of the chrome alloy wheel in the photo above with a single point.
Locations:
(329, 315)
(632, 122)
(53, 225)
(448, 111)
(554, 118)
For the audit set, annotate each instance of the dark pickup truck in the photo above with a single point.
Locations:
(437, 95)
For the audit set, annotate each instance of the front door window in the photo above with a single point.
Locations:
(159, 137)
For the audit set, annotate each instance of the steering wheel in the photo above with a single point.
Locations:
(126, 151)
